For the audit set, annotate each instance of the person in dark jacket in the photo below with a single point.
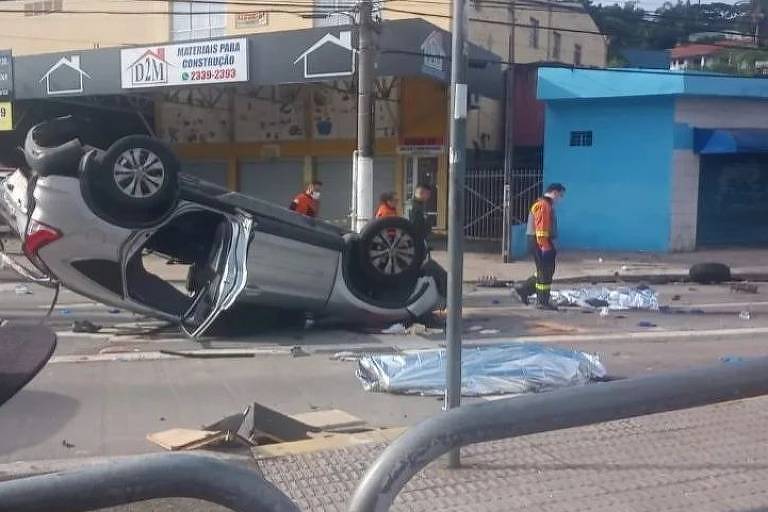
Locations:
(417, 211)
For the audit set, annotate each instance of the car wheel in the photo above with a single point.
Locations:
(135, 181)
(710, 273)
(391, 251)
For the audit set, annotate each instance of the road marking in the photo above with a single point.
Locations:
(644, 335)
(130, 357)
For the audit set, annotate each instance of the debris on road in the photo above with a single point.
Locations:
(476, 328)
(211, 353)
(676, 298)
(67, 444)
(297, 351)
(85, 326)
(731, 359)
(710, 273)
(616, 299)
(395, 329)
(21, 289)
(490, 281)
(488, 332)
(646, 323)
(511, 368)
(258, 425)
(744, 288)
(745, 315)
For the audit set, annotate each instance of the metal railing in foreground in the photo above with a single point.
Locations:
(145, 477)
(545, 412)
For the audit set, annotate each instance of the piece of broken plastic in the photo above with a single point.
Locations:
(395, 329)
(510, 368)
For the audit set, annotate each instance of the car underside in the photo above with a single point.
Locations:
(94, 220)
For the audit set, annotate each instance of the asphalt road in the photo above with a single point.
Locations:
(104, 392)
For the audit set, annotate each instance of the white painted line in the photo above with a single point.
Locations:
(643, 335)
(128, 357)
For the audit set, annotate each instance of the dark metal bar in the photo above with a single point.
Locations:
(123, 481)
(568, 408)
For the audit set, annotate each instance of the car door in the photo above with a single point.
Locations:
(223, 289)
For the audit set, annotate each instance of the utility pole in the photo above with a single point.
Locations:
(363, 181)
(457, 169)
(509, 145)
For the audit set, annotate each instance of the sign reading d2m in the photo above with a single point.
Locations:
(6, 116)
(203, 62)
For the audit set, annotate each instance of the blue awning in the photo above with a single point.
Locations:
(730, 141)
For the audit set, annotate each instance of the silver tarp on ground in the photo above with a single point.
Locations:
(615, 299)
(487, 370)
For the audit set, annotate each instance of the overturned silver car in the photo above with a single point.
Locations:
(89, 217)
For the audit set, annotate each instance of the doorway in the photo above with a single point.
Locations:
(421, 169)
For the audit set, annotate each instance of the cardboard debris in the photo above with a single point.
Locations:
(189, 439)
(258, 425)
(333, 419)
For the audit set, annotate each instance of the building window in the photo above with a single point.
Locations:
(581, 138)
(577, 55)
(534, 40)
(557, 43)
(198, 20)
(42, 7)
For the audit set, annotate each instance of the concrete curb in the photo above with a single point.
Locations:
(642, 278)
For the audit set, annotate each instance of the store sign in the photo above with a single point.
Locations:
(421, 146)
(198, 63)
(251, 19)
(6, 116)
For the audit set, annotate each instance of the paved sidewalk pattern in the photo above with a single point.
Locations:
(707, 459)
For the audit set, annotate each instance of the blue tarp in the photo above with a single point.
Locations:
(730, 141)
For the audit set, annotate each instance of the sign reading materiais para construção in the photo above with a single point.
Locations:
(203, 62)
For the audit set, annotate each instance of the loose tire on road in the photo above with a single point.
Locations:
(135, 182)
(391, 251)
(710, 273)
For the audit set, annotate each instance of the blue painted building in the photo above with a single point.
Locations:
(655, 160)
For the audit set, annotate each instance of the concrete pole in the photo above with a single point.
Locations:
(457, 169)
(364, 175)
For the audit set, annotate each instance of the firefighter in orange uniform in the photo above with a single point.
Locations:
(387, 205)
(307, 203)
(541, 233)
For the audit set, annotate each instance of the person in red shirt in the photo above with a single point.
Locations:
(541, 233)
(387, 205)
(308, 202)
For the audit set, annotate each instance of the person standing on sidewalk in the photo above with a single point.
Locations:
(308, 202)
(541, 233)
(387, 205)
(417, 210)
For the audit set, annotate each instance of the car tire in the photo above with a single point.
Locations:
(391, 251)
(135, 182)
(710, 273)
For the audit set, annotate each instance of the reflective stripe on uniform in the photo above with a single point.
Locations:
(542, 233)
(543, 287)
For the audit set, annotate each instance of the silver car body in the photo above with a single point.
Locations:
(268, 257)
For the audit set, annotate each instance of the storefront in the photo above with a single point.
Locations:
(657, 161)
(265, 113)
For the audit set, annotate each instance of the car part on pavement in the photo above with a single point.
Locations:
(530, 414)
(392, 251)
(24, 350)
(710, 273)
(133, 479)
(510, 368)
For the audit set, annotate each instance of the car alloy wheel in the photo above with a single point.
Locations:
(139, 173)
(392, 251)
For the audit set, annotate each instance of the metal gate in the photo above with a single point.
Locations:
(526, 185)
(484, 204)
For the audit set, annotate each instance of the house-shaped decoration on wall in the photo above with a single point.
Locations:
(65, 77)
(435, 56)
(330, 56)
